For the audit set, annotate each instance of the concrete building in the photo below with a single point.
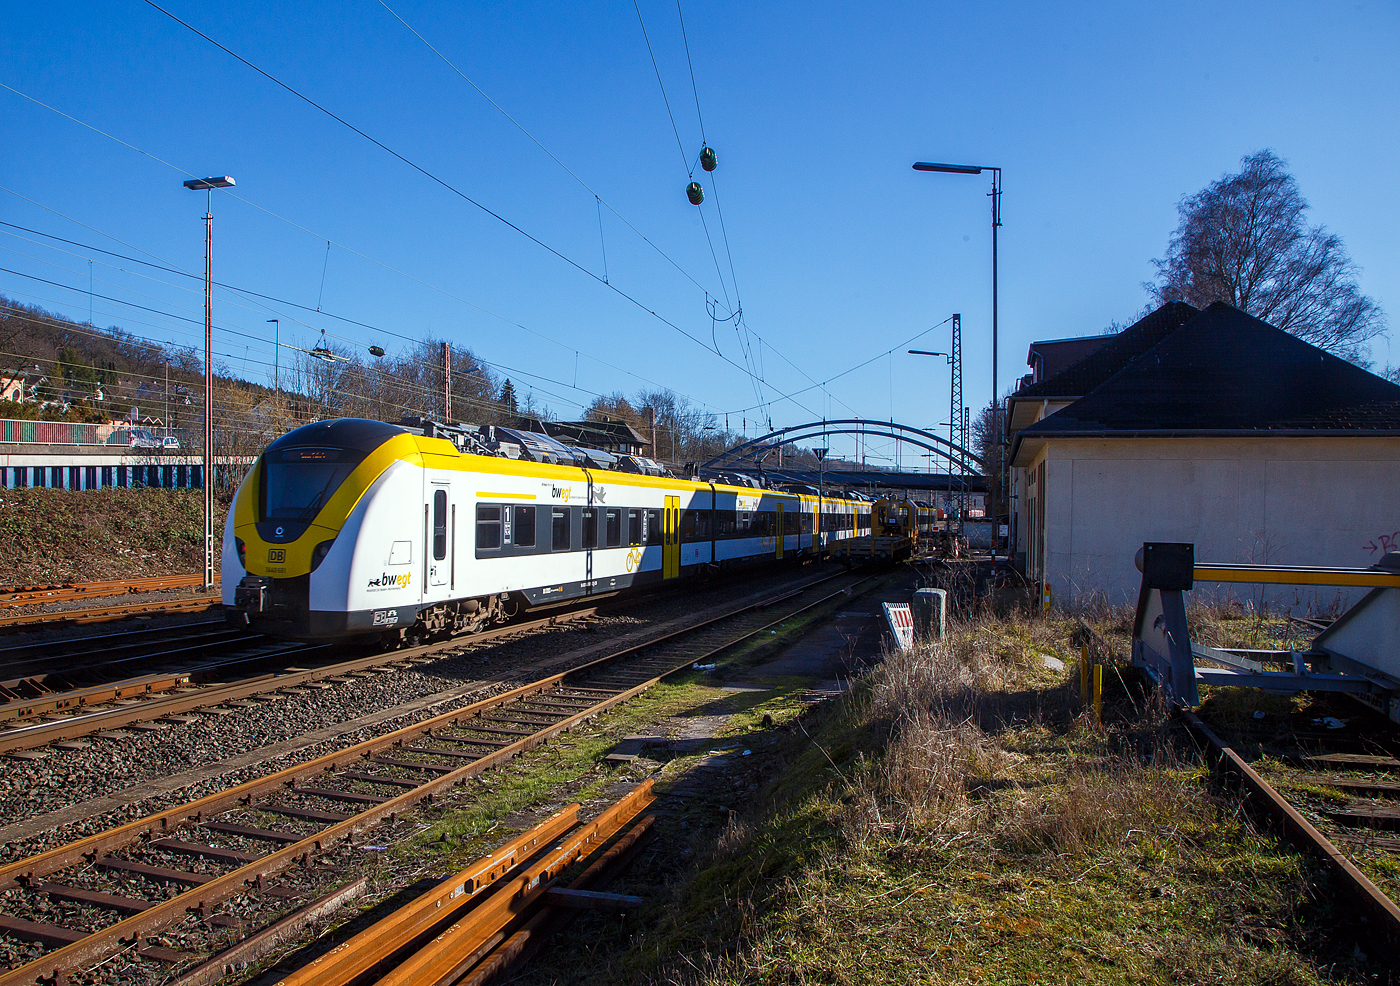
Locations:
(1210, 427)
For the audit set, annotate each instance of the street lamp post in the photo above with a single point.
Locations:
(208, 185)
(995, 194)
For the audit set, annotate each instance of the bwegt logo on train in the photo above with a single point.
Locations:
(276, 554)
(387, 581)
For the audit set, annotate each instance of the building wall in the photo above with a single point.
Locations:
(1281, 501)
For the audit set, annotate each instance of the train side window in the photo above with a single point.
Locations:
(613, 525)
(488, 526)
(440, 525)
(634, 527)
(653, 527)
(523, 528)
(561, 528)
(590, 527)
(688, 525)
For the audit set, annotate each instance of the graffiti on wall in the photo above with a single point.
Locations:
(1384, 543)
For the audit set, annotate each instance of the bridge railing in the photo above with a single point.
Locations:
(16, 432)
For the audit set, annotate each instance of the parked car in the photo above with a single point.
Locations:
(170, 442)
(133, 438)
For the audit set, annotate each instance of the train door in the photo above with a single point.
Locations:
(440, 549)
(779, 522)
(671, 539)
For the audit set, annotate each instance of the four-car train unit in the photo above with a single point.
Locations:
(357, 528)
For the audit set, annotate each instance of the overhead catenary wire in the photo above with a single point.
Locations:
(448, 186)
(602, 203)
(342, 246)
(348, 249)
(169, 267)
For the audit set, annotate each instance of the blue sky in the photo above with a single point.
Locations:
(1102, 116)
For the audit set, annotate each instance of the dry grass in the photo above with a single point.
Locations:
(959, 819)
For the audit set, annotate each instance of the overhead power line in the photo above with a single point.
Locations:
(448, 186)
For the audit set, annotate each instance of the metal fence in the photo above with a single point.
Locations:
(14, 432)
(17, 432)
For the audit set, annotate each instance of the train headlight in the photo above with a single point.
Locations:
(242, 552)
(320, 552)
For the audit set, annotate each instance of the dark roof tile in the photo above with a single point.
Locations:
(1226, 371)
(1081, 377)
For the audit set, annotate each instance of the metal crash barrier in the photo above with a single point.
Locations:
(1358, 654)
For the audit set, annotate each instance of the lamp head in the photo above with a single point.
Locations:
(201, 184)
(951, 169)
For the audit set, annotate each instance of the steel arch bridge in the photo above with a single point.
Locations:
(959, 458)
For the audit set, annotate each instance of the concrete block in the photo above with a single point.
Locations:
(930, 609)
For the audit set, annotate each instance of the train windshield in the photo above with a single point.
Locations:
(297, 482)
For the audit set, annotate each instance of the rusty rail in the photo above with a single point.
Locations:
(89, 719)
(32, 595)
(1380, 908)
(101, 614)
(617, 687)
(476, 904)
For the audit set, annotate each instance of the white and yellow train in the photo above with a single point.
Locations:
(352, 527)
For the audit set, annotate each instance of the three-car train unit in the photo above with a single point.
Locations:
(357, 528)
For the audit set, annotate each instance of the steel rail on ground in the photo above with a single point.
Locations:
(566, 712)
(90, 720)
(1378, 907)
(35, 594)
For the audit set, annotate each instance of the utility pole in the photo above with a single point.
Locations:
(447, 383)
(957, 431)
(208, 185)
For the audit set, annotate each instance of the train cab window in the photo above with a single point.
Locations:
(613, 526)
(590, 527)
(560, 523)
(440, 525)
(295, 483)
(488, 526)
(634, 527)
(653, 527)
(523, 527)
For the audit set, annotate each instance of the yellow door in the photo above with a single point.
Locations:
(780, 531)
(671, 539)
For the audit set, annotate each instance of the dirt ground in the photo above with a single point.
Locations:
(55, 536)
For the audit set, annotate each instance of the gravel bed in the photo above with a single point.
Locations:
(32, 787)
(29, 635)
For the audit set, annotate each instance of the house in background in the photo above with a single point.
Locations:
(1210, 427)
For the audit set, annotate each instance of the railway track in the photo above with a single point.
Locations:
(1335, 795)
(185, 677)
(105, 614)
(256, 847)
(65, 592)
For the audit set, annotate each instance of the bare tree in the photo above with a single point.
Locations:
(993, 454)
(1243, 240)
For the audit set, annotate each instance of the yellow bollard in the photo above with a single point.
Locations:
(1083, 675)
(1045, 597)
(1098, 694)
